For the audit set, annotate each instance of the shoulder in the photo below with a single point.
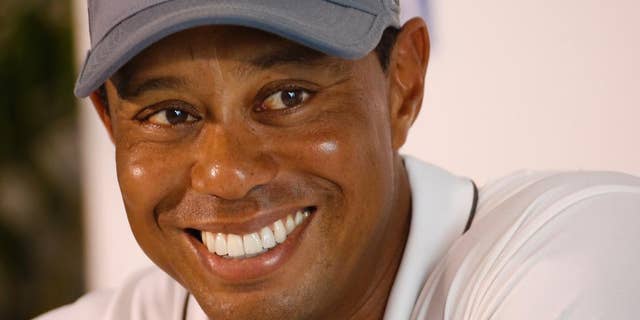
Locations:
(148, 294)
(527, 187)
(543, 245)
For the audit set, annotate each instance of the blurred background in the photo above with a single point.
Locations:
(548, 84)
(41, 251)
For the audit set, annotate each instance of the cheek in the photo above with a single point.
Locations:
(357, 160)
(148, 178)
(352, 152)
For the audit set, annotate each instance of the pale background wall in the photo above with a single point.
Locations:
(512, 84)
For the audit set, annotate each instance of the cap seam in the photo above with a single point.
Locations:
(353, 5)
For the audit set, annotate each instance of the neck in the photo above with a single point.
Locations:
(375, 301)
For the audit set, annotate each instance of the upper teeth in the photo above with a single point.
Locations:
(251, 244)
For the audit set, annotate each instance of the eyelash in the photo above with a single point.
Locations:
(275, 88)
(148, 112)
(269, 90)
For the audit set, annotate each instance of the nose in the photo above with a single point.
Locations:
(228, 167)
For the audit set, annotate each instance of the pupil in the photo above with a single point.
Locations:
(291, 98)
(176, 116)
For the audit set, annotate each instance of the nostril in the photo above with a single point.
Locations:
(194, 233)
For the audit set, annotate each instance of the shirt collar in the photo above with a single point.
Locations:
(441, 204)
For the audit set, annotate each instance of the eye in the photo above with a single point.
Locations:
(284, 99)
(171, 117)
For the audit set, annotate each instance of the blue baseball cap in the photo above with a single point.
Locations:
(121, 29)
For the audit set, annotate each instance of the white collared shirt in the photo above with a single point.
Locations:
(542, 246)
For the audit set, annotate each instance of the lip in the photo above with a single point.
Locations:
(247, 223)
(253, 268)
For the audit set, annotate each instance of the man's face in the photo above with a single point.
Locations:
(230, 130)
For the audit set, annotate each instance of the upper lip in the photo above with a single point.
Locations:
(243, 223)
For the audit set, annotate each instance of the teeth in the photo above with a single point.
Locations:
(279, 231)
(234, 246)
(290, 224)
(221, 244)
(268, 240)
(208, 239)
(252, 244)
(299, 217)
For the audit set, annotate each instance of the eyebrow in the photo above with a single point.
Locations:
(285, 56)
(289, 55)
(127, 91)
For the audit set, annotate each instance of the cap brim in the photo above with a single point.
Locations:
(321, 25)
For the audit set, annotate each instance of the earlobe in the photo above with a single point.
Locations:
(103, 112)
(409, 61)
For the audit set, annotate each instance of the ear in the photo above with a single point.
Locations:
(407, 71)
(103, 112)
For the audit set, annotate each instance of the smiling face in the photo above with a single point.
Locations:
(264, 176)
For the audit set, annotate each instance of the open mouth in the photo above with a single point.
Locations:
(243, 246)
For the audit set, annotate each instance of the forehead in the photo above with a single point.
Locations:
(239, 52)
(226, 43)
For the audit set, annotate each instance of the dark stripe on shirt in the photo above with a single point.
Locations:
(472, 214)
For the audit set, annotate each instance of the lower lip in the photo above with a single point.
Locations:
(254, 268)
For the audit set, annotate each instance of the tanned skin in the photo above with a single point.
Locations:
(219, 126)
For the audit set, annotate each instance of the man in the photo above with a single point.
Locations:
(257, 155)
